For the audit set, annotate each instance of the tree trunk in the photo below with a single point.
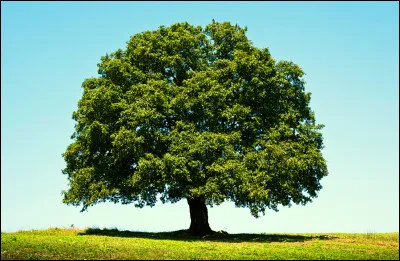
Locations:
(199, 217)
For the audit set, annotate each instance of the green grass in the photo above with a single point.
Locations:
(56, 243)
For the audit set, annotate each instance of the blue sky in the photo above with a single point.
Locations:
(348, 50)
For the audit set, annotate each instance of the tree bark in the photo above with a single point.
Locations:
(199, 217)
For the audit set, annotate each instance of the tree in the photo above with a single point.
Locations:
(198, 114)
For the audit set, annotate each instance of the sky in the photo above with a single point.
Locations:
(348, 50)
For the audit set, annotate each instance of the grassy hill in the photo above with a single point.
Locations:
(56, 243)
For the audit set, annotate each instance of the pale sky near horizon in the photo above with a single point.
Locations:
(348, 50)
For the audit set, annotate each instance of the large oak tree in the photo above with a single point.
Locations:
(194, 113)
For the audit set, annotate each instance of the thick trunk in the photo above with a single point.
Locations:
(199, 217)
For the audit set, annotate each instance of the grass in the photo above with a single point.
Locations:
(94, 243)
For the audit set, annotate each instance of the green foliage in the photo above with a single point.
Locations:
(192, 112)
(67, 244)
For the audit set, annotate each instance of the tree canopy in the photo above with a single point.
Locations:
(186, 112)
